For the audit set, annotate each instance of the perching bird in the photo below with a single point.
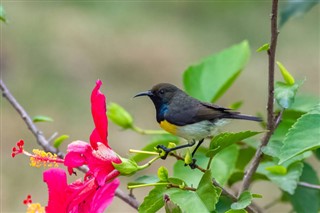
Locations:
(187, 117)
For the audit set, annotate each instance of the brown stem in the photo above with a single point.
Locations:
(309, 185)
(185, 188)
(45, 144)
(271, 124)
(42, 141)
(225, 192)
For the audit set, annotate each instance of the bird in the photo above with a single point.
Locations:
(187, 117)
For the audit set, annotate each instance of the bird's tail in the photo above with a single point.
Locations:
(244, 117)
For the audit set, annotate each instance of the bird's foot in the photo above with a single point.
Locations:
(193, 164)
(164, 151)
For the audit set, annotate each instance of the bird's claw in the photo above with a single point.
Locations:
(164, 151)
(193, 164)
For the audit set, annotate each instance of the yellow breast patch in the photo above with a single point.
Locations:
(168, 127)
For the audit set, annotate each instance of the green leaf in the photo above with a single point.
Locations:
(287, 182)
(304, 103)
(317, 153)
(177, 181)
(244, 200)
(145, 179)
(303, 136)
(238, 175)
(288, 78)
(285, 94)
(223, 205)
(153, 201)
(263, 47)
(118, 115)
(295, 8)
(226, 139)
(2, 14)
(164, 139)
(276, 141)
(257, 196)
(277, 169)
(207, 192)
(41, 118)
(224, 163)
(188, 201)
(306, 200)
(236, 211)
(58, 141)
(191, 176)
(245, 156)
(236, 105)
(209, 79)
(163, 174)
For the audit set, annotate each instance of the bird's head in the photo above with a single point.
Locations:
(160, 94)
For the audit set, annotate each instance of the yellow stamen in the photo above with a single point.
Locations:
(35, 208)
(42, 158)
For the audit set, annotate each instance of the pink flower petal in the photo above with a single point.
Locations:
(78, 197)
(56, 180)
(100, 164)
(78, 152)
(104, 196)
(98, 110)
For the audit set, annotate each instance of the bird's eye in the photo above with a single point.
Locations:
(161, 91)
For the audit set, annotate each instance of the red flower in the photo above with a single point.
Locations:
(78, 197)
(98, 156)
(98, 110)
(99, 161)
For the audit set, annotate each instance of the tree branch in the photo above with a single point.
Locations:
(45, 144)
(42, 141)
(271, 123)
(225, 192)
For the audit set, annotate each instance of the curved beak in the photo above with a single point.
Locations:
(146, 93)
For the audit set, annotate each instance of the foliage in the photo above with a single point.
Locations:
(2, 14)
(201, 187)
(199, 80)
(295, 8)
(41, 118)
(244, 200)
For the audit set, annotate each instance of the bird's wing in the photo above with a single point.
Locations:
(196, 112)
(214, 106)
(208, 111)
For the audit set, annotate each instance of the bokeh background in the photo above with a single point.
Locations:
(52, 52)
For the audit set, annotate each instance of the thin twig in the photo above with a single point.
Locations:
(45, 144)
(271, 124)
(178, 157)
(309, 185)
(272, 203)
(42, 141)
(179, 187)
(225, 192)
(278, 119)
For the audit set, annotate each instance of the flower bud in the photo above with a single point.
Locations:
(286, 74)
(119, 116)
(163, 173)
(127, 167)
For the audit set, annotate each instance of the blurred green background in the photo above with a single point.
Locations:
(53, 52)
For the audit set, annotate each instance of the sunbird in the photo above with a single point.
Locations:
(187, 117)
